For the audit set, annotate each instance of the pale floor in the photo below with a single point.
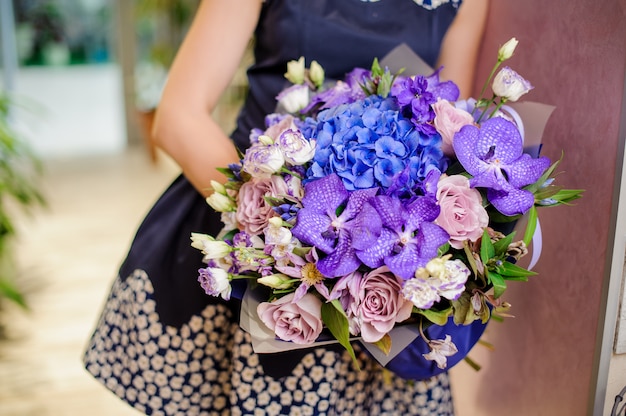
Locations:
(69, 253)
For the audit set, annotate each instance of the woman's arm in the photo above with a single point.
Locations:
(459, 51)
(202, 70)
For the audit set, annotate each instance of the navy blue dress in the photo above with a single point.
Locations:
(167, 348)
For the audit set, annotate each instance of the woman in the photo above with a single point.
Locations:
(162, 344)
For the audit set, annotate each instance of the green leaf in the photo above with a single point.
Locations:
(9, 291)
(499, 285)
(470, 258)
(501, 246)
(509, 270)
(462, 309)
(472, 363)
(531, 226)
(384, 344)
(335, 319)
(487, 251)
(437, 317)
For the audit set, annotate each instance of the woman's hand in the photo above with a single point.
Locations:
(202, 70)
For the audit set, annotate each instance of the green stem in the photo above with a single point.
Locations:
(486, 106)
(493, 71)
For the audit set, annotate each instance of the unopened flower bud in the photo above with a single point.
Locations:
(506, 50)
(316, 74)
(295, 71)
(221, 203)
(276, 281)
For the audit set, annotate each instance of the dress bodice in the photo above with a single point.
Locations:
(340, 35)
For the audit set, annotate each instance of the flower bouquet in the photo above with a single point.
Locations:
(375, 206)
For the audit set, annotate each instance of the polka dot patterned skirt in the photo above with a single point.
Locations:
(207, 367)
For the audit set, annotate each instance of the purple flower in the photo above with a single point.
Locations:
(417, 95)
(343, 92)
(215, 282)
(398, 234)
(494, 155)
(325, 222)
(305, 269)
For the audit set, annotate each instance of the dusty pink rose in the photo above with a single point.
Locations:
(347, 291)
(381, 304)
(299, 322)
(277, 129)
(448, 121)
(462, 214)
(253, 211)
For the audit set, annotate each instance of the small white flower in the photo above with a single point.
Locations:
(262, 161)
(506, 50)
(294, 98)
(440, 349)
(509, 85)
(420, 292)
(276, 234)
(215, 282)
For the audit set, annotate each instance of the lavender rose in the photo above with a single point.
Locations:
(462, 214)
(381, 304)
(253, 211)
(299, 322)
(448, 121)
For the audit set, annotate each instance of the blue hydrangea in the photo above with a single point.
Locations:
(368, 143)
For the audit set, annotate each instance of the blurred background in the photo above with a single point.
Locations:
(79, 84)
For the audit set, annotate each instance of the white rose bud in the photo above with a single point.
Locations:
(509, 85)
(211, 248)
(218, 187)
(506, 50)
(295, 71)
(276, 281)
(221, 203)
(316, 74)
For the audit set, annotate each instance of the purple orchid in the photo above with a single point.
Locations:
(397, 234)
(323, 224)
(494, 156)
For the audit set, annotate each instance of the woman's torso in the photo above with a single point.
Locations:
(340, 35)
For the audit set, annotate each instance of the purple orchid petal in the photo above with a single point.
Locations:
(431, 237)
(374, 255)
(324, 195)
(405, 263)
(445, 90)
(526, 170)
(513, 202)
(423, 209)
(342, 260)
(356, 201)
(366, 228)
(311, 228)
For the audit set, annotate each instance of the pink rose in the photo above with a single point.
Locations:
(277, 129)
(448, 121)
(347, 291)
(299, 322)
(462, 214)
(253, 211)
(381, 304)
